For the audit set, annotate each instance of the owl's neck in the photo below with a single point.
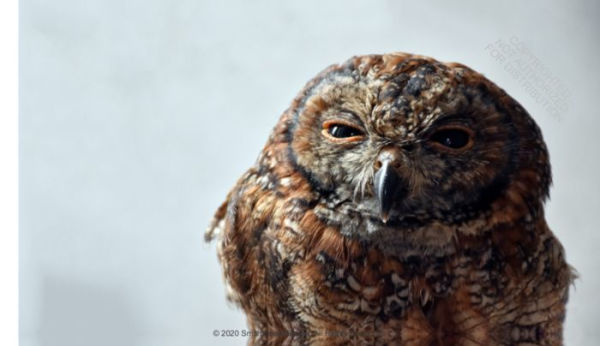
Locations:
(411, 238)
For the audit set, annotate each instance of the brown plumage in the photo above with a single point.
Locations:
(399, 201)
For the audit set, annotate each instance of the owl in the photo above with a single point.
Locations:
(399, 200)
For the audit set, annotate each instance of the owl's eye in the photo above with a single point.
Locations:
(452, 137)
(341, 131)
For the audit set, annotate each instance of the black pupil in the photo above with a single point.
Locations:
(343, 131)
(452, 138)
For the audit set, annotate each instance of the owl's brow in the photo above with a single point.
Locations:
(458, 117)
(352, 114)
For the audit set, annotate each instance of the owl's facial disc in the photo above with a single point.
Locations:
(409, 141)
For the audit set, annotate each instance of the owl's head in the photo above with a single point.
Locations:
(410, 140)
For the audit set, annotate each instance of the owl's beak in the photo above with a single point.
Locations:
(387, 184)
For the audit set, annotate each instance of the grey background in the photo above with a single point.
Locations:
(138, 116)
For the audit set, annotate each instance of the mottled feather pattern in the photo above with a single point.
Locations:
(465, 256)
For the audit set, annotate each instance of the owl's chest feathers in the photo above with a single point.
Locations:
(332, 282)
(351, 280)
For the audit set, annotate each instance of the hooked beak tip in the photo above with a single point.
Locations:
(388, 185)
